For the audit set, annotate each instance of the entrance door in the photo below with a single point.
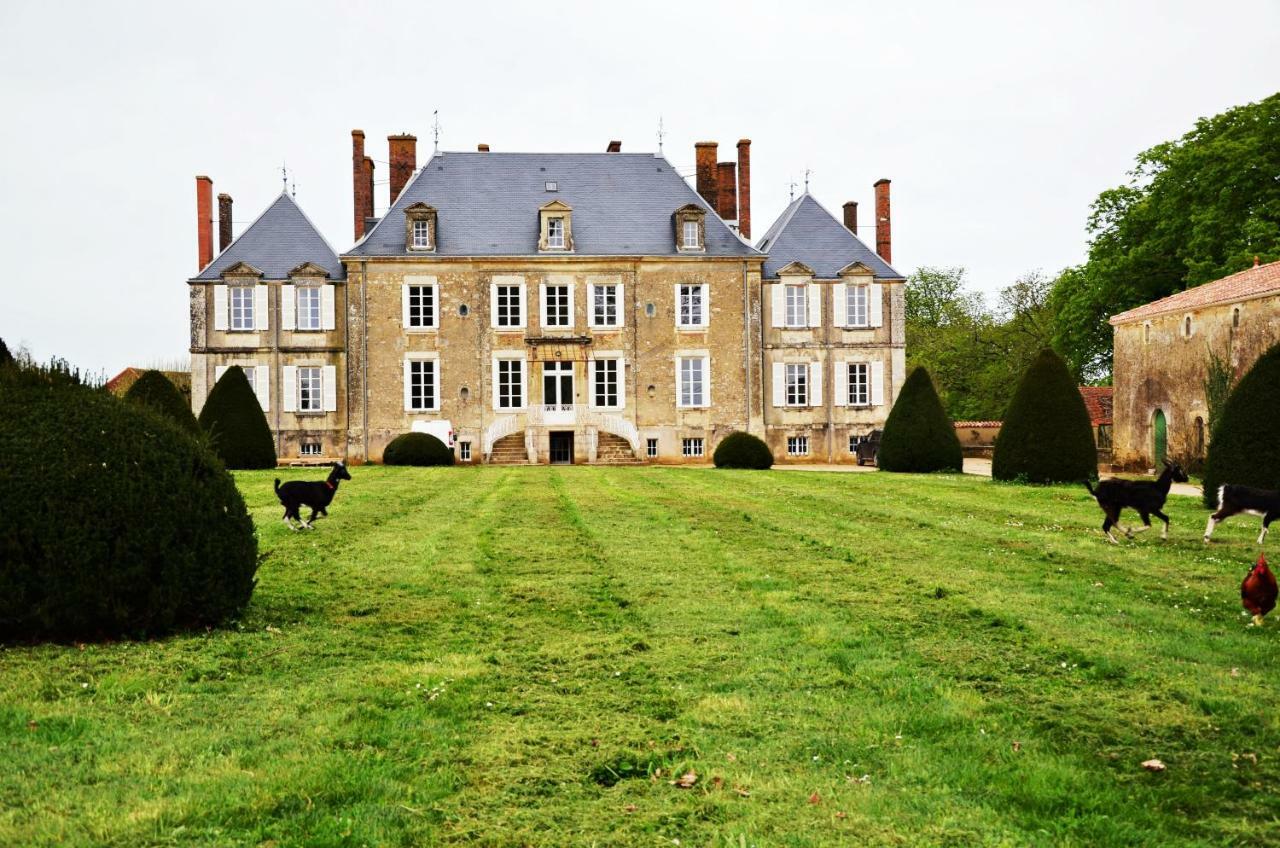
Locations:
(1162, 438)
(557, 385)
(561, 447)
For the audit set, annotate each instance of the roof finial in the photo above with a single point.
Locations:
(661, 133)
(807, 172)
(293, 189)
(284, 177)
(791, 194)
(435, 131)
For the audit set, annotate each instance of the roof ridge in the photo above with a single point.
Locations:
(1210, 293)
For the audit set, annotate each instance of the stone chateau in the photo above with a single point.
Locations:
(554, 307)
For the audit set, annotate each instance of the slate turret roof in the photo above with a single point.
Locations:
(487, 205)
(806, 232)
(281, 239)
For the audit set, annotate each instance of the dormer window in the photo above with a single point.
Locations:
(421, 235)
(555, 233)
(555, 227)
(420, 228)
(691, 228)
(689, 238)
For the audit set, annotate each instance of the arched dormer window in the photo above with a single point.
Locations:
(420, 228)
(690, 228)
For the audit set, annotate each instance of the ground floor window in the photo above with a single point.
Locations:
(309, 395)
(310, 449)
(510, 383)
(651, 448)
(853, 443)
(464, 451)
(797, 445)
(691, 447)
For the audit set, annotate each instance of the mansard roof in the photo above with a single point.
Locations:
(488, 206)
(806, 232)
(280, 240)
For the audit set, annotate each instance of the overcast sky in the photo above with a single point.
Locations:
(998, 123)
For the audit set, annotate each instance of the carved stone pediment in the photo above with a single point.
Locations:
(555, 206)
(795, 269)
(855, 269)
(308, 269)
(241, 269)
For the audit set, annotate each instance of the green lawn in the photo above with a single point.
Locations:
(528, 656)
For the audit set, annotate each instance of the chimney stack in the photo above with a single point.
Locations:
(744, 188)
(404, 159)
(204, 220)
(614, 147)
(851, 217)
(883, 235)
(224, 222)
(705, 155)
(727, 191)
(482, 148)
(361, 182)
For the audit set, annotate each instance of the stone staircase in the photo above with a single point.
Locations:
(509, 450)
(614, 450)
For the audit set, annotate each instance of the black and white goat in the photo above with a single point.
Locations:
(315, 494)
(1234, 499)
(1145, 497)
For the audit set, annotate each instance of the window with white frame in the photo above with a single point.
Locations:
(555, 310)
(797, 375)
(555, 233)
(797, 303)
(859, 384)
(309, 449)
(422, 384)
(693, 305)
(691, 447)
(689, 232)
(310, 398)
(604, 305)
(651, 448)
(693, 377)
(509, 306)
(510, 383)
(308, 304)
(464, 451)
(422, 234)
(422, 307)
(604, 382)
(856, 306)
(241, 305)
(797, 445)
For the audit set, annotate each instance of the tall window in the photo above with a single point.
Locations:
(241, 307)
(556, 309)
(509, 306)
(693, 381)
(555, 232)
(651, 448)
(692, 306)
(690, 233)
(510, 383)
(797, 384)
(422, 306)
(604, 382)
(422, 384)
(797, 306)
(308, 299)
(857, 306)
(422, 235)
(604, 306)
(859, 384)
(309, 397)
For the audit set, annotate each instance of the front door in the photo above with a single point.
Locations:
(557, 385)
(1162, 438)
(561, 447)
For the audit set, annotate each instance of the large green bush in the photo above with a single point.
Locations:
(918, 436)
(115, 521)
(153, 389)
(742, 450)
(417, 449)
(236, 425)
(1244, 447)
(1046, 435)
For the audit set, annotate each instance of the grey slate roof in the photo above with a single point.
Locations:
(487, 205)
(280, 240)
(806, 232)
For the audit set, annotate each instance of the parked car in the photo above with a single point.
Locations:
(868, 446)
(442, 430)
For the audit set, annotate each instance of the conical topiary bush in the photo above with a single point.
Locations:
(1245, 445)
(919, 436)
(238, 431)
(1046, 435)
(156, 391)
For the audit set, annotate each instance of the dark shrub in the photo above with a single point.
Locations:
(417, 449)
(6, 358)
(919, 436)
(115, 521)
(158, 392)
(237, 428)
(1245, 445)
(742, 450)
(1046, 436)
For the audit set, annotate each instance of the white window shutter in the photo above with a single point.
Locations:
(218, 371)
(679, 383)
(289, 388)
(288, 308)
(814, 296)
(220, 307)
(778, 305)
(706, 311)
(260, 319)
(493, 305)
(542, 303)
(779, 384)
(815, 384)
(877, 383)
(591, 305)
(873, 305)
(524, 307)
(436, 306)
(573, 318)
(494, 382)
(328, 307)
(408, 384)
(839, 305)
(622, 311)
(330, 388)
(262, 385)
(676, 300)
(622, 383)
(840, 383)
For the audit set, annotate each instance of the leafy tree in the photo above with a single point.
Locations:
(1046, 435)
(918, 436)
(155, 390)
(742, 450)
(237, 428)
(1245, 443)
(1194, 210)
(6, 358)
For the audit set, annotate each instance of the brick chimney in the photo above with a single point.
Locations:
(851, 217)
(204, 220)
(727, 191)
(361, 183)
(883, 235)
(705, 155)
(404, 159)
(744, 187)
(482, 148)
(614, 147)
(368, 188)
(224, 222)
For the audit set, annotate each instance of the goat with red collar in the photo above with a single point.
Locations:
(318, 495)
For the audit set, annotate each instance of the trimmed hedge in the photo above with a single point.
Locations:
(919, 436)
(1245, 445)
(1046, 435)
(417, 449)
(742, 450)
(237, 428)
(158, 392)
(116, 522)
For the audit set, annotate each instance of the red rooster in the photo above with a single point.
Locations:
(1258, 591)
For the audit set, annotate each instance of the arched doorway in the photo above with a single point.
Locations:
(1161, 437)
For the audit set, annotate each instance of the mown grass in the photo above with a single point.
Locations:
(528, 656)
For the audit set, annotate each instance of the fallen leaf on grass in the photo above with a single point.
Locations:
(1235, 672)
(1017, 746)
(730, 757)
(842, 815)
(630, 808)
(865, 779)
(686, 780)
(31, 725)
(815, 798)
(1153, 765)
(717, 782)
(743, 791)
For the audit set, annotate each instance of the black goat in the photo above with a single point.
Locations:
(1146, 497)
(1234, 499)
(299, 493)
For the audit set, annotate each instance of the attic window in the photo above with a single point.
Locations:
(691, 228)
(552, 185)
(555, 227)
(420, 228)
(555, 234)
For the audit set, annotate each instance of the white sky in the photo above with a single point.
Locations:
(998, 123)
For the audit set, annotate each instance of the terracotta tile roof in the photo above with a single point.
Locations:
(1097, 399)
(120, 383)
(979, 425)
(1251, 282)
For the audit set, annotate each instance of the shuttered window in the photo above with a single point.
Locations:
(308, 301)
(797, 376)
(242, 298)
(310, 397)
(857, 305)
(797, 306)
